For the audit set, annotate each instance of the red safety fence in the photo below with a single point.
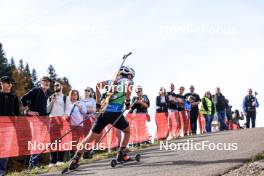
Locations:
(179, 124)
(138, 127)
(201, 124)
(233, 126)
(20, 135)
(162, 122)
(31, 135)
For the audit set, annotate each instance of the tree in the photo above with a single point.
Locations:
(21, 65)
(66, 85)
(28, 77)
(34, 78)
(53, 76)
(21, 82)
(3, 62)
(12, 63)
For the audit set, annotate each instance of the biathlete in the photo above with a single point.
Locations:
(122, 88)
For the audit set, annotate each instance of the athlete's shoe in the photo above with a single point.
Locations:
(122, 157)
(75, 161)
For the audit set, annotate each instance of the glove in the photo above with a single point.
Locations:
(98, 106)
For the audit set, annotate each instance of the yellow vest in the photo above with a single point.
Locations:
(209, 106)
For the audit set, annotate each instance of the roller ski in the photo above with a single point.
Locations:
(124, 158)
(74, 163)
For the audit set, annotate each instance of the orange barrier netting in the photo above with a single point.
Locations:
(233, 126)
(138, 127)
(201, 123)
(179, 123)
(162, 122)
(17, 133)
(31, 135)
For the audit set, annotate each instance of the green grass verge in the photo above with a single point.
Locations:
(98, 156)
(258, 157)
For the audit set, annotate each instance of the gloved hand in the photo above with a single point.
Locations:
(98, 106)
(127, 104)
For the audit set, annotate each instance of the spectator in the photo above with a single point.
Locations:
(87, 107)
(194, 100)
(220, 104)
(88, 103)
(35, 104)
(140, 103)
(207, 109)
(172, 104)
(58, 105)
(228, 110)
(236, 117)
(183, 105)
(76, 117)
(9, 106)
(250, 103)
(172, 108)
(180, 99)
(162, 101)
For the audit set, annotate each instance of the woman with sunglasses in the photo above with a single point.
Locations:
(88, 107)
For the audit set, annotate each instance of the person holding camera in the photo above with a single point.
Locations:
(250, 103)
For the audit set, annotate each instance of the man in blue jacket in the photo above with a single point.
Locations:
(250, 103)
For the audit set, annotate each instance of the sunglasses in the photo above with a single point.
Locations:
(87, 90)
(57, 85)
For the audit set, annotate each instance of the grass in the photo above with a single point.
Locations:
(98, 156)
(258, 157)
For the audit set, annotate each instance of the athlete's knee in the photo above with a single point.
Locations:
(127, 130)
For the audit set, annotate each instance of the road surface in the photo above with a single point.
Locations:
(156, 162)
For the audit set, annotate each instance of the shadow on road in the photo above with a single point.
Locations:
(194, 163)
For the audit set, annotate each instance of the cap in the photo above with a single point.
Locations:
(7, 79)
(45, 78)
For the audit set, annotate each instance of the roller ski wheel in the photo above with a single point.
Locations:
(115, 162)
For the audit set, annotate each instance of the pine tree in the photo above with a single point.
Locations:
(12, 63)
(28, 77)
(53, 76)
(34, 78)
(21, 65)
(3, 62)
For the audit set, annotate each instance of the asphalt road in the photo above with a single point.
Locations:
(156, 162)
